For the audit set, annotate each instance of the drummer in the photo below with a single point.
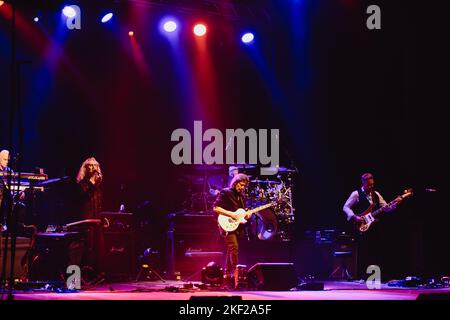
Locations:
(216, 183)
(232, 171)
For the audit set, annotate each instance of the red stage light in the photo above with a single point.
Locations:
(130, 33)
(199, 29)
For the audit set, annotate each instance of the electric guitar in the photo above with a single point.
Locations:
(369, 217)
(229, 224)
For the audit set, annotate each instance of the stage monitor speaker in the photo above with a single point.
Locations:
(272, 276)
(434, 296)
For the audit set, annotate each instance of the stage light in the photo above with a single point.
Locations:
(247, 37)
(131, 33)
(212, 274)
(199, 30)
(107, 17)
(69, 12)
(36, 19)
(170, 26)
(1, 3)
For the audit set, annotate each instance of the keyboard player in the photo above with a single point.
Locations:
(4, 170)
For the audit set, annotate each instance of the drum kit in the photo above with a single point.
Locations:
(276, 223)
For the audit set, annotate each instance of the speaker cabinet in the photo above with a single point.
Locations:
(272, 276)
(22, 245)
(193, 241)
(350, 262)
(118, 249)
(52, 253)
(118, 257)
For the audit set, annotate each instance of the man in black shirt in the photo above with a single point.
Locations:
(228, 201)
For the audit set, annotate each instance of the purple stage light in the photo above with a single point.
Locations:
(69, 12)
(107, 17)
(247, 37)
(170, 26)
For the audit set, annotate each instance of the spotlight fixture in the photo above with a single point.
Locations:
(131, 33)
(212, 274)
(69, 12)
(36, 19)
(200, 30)
(247, 37)
(1, 3)
(107, 17)
(170, 26)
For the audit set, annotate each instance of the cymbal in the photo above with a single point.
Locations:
(243, 166)
(209, 167)
(288, 170)
(264, 181)
(275, 170)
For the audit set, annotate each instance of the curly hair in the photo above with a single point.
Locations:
(240, 177)
(82, 171)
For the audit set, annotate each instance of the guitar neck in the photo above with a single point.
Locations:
(407, 194)
(259, 208)
(382, 209)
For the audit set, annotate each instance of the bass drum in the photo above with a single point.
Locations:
(265, 224)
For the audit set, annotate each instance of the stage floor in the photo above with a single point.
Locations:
(176, 290)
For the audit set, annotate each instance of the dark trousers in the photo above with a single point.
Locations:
(232, 256)
(93, 253)
(370, 250)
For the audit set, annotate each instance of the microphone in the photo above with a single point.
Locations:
(97, 172)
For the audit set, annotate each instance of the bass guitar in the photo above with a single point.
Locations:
(368, 217)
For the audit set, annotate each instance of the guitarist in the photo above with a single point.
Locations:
(365, 196)
(227, 202)
(369, 246)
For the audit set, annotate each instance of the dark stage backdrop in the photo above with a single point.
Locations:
(347, 100)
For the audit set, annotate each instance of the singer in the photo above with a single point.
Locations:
(89, 180)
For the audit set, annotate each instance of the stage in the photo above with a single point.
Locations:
(279, 141)
(178, 290)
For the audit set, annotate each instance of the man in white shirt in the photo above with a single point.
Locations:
(365, 196)
(370, 248)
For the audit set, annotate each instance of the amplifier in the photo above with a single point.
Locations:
(119, 255)
(22, 245)
(192, 223)
(117, 221)
(119, 245)
(52, 253)
(193, 241)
